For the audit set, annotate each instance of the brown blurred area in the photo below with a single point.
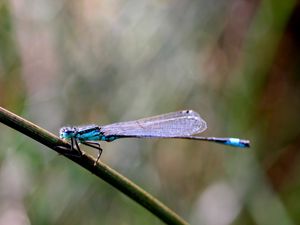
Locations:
(280, 105)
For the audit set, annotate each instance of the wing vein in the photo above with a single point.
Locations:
(179, 123)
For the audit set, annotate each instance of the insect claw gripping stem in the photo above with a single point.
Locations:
(74, 141)
(72, 150)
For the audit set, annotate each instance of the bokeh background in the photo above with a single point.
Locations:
(90, 61)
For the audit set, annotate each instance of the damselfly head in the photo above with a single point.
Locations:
(66, 132)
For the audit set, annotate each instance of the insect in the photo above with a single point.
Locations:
(181, 124)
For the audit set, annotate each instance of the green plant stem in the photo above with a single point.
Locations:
(101, 170)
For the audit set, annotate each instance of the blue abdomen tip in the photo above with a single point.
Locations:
(236, 142)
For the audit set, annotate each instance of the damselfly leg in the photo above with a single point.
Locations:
(74, 150)
(77, 149)
(95, 145)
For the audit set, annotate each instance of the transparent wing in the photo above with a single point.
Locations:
(173, 124)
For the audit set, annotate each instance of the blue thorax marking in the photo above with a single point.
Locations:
(88, 133)
(92, 133)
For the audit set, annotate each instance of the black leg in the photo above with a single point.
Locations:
(73, 140)
(72, 144)
(95, 145)
(74, 149)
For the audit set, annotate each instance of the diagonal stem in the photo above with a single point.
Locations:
(101, 170)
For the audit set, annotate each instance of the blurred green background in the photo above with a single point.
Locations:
(79, 62)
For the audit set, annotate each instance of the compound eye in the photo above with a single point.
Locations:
(66, 132)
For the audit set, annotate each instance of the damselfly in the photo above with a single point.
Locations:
(181, 124)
